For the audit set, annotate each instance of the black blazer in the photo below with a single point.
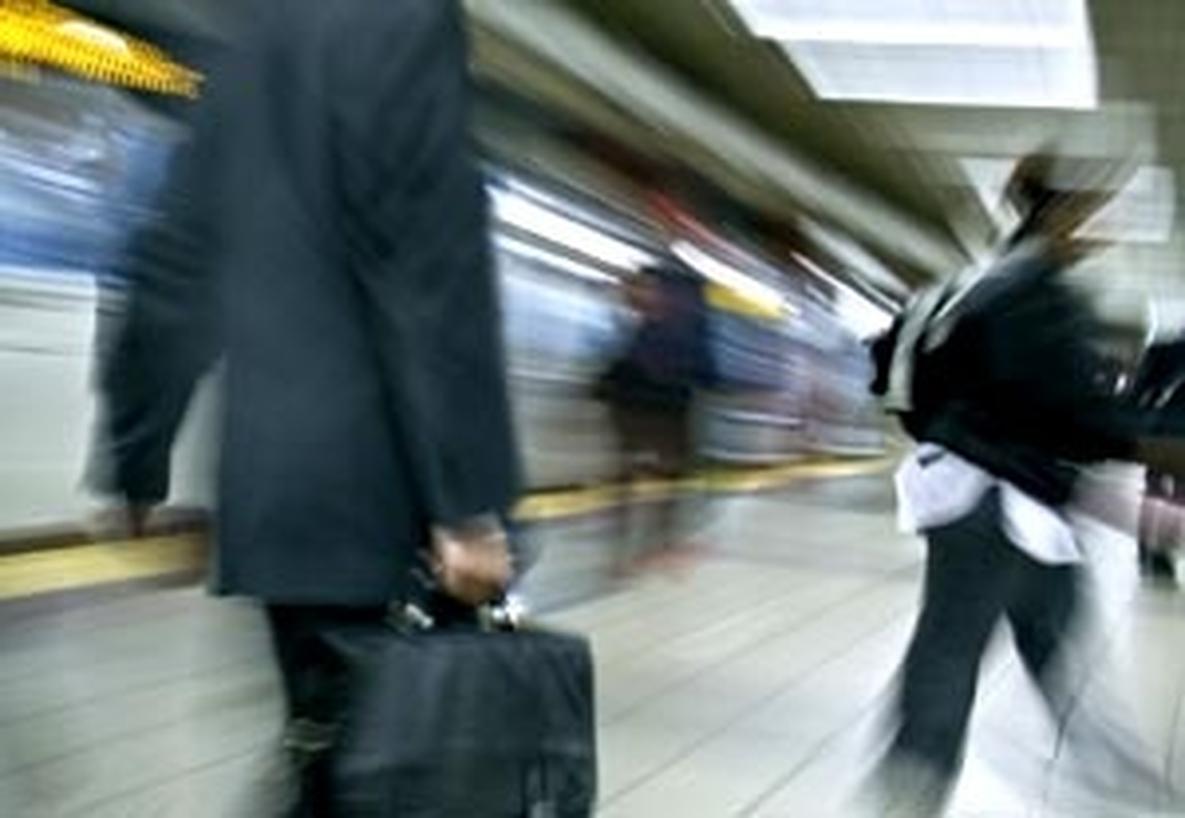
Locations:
(325, 233)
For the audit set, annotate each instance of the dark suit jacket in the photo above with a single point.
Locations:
(325, 233)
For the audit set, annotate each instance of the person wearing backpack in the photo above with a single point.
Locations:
(994, 376)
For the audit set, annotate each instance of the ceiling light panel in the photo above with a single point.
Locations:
(990, 53)
(856, 20)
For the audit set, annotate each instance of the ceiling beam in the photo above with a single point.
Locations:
(680, 115)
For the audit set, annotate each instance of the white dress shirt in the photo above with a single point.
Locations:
(936, 487)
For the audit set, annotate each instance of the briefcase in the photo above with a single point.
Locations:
(470, 722)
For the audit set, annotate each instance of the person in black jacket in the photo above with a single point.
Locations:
(995, 375)
(324, 234)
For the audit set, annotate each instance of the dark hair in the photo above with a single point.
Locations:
(1030, 188)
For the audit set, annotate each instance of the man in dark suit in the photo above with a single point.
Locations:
(325, 235)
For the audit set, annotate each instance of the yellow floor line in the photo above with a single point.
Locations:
(64, 569)
(88, 566)
(556, 505)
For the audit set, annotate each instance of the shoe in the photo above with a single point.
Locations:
(905, 788)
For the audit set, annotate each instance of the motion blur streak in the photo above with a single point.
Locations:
(730, 244)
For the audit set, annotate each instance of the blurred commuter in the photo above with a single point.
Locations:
(993, 374)
(325, 234)
(1160, 386)
(650, 388)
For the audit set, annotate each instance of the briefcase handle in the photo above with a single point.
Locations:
(426, 608)
(505, 614)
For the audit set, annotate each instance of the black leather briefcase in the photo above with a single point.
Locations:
(468, 721)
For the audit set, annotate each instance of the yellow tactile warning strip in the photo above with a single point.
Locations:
(557, 505)
(82, 567)
(88, 566)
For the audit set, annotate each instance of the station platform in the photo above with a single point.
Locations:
(754, 685)
(39, 565)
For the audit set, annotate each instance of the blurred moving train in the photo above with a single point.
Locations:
(79, 166)
(791, 377)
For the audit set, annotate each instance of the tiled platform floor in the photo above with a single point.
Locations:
(754, 686)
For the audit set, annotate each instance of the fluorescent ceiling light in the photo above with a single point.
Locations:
(556, 261)
(546, 223)
(856, 257)
(892, 32)
(839, 284)
(1009, 53)
(727, 276)
(1006, 22)
(861, 316)
(855, 310)
(950, 75)
(569, 207)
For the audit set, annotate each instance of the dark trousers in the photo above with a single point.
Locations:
(312, 646)
(975, 577)
(654, 443)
